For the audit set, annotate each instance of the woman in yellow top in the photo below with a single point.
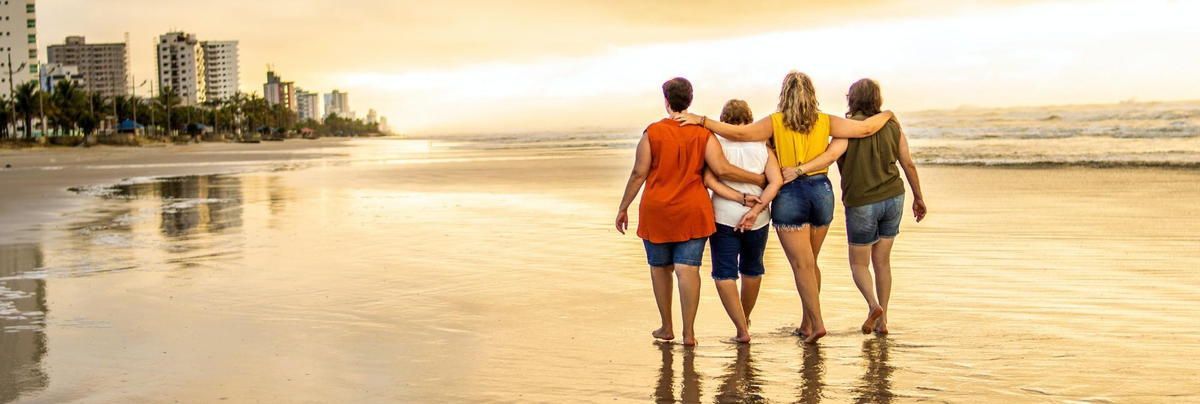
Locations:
(803, 208)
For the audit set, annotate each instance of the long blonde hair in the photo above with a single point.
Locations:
(798, 102)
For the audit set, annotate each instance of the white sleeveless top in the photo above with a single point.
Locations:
(749, 156)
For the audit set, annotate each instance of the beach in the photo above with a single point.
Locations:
(452, 270)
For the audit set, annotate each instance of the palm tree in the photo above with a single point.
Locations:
(168, 102)
(26, 104)
(69, 105)
(6, 117)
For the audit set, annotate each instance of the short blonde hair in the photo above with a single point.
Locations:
(737, 112)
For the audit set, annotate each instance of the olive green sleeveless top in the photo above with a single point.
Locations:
(868, 168)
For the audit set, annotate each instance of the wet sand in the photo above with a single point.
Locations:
(389, 270)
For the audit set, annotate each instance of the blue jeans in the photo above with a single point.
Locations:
(689, 252)
(736, 252)
(805, 201)
(866, 224)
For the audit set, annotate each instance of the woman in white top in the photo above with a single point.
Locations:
(742, 218)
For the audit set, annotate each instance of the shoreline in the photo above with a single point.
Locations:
(38, 184)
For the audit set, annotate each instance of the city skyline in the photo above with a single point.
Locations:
(594, 62)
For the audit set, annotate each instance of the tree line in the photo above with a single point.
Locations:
(69, 110)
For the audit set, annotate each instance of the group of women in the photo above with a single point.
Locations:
(769, 171)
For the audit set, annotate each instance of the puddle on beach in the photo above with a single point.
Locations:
(472, 281)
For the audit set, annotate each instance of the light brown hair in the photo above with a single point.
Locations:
(798, 102)
(864, 98)
(737, 112)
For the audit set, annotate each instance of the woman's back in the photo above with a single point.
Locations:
(868, 168)
(795, 148)
(675, 204)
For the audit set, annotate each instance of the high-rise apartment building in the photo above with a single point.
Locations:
(220, 69)
(181, 67)
(18, 44)
(51, 74)
(276, 91)
(103, 67)
(308, 105)
(338, 103)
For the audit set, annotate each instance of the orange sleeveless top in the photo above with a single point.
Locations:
(675, 204)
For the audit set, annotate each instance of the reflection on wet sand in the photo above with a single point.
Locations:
(812, 375)
(741, 384)
(22, 316)
(664, 391)
(876, 383)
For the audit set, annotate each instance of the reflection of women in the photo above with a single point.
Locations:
(876, 386)
(664, 389)
(812, 375)
(741, 380)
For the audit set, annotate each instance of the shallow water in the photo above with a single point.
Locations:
(403, 272)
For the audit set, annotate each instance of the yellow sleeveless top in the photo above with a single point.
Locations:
(795, 148)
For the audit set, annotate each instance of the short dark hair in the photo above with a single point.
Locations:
(864, 98)
(678, 92)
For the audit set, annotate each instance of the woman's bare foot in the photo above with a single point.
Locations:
(881, 327)
(872, 319)
(741, 338)
(663, 334)
(689, 341)
(816, 335)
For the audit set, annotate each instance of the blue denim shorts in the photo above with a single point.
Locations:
(805, 201)
(689, 252)
(736, 252)
(866, 224)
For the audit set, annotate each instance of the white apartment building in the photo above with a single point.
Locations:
(338, 103)
(181, 67)
(104, 66)
(52, 73)
(18, 44)
(308, 105)
(221, 69)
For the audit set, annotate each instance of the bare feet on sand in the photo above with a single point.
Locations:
(816, 335)
(663, 334)
(741, 339)
(881, 327)
(689, 341)
(872, 319)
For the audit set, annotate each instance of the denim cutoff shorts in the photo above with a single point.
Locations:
(689, 252)
(805, 201)
(866, 224)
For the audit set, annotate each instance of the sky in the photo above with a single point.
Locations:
(529, 66)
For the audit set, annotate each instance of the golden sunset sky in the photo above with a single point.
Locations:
(514, 66)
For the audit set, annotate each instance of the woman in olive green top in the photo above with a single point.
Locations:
(874, 197)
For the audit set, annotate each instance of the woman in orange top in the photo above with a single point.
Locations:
(676, 214)
(804, 207)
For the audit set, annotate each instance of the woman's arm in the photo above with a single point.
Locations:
(715, 158)
(755, 132)
(851, 128)
(712, 182)
(774, 183)
(835, 149)
(910, 171)
(637, 178)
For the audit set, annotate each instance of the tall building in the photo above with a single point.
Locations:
(372, 116)
(308, 105)
(276, 91)
(18, 44)
(338, 103)
(50, 74)
(220, 69)
(181, 67)
(104, 66)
